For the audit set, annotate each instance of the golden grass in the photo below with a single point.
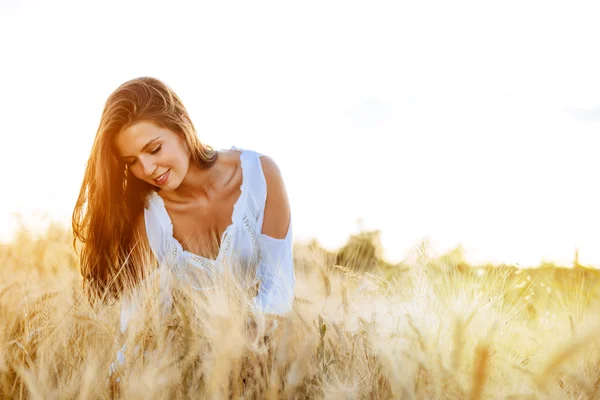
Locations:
(430, 330)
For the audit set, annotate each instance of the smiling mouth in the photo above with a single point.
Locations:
(162, 179)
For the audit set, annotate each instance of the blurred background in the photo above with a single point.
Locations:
(462, 123)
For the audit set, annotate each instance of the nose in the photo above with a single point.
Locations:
(148, 167)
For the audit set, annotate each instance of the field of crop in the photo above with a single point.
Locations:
(433, 327)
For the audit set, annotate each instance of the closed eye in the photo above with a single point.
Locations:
(157, 149)
(154, 151)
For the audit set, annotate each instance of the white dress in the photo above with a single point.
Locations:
(242, 243)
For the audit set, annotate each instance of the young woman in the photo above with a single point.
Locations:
(150, 183)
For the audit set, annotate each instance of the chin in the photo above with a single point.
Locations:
(169, 186)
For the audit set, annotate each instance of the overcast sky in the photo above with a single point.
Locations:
(464, 122)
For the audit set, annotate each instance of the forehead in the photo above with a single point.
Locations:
(130, 141)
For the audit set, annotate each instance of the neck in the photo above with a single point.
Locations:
(197, 183)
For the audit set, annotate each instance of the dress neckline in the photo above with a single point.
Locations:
(234, 216)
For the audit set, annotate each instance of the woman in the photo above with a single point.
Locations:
(151, 183)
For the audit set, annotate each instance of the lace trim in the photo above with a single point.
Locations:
(252, 234)
(165, 219)
(180, 256)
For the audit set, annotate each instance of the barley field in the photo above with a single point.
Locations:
(427, 328)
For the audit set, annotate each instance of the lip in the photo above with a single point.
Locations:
(162, 179)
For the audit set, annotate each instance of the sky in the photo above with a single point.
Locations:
(463, 122)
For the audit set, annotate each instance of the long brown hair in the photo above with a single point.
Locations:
(111, 198)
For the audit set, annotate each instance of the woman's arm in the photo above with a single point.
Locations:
(276, 266)
(277, 218)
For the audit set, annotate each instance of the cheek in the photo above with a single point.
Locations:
(177, 161)
(183, 163)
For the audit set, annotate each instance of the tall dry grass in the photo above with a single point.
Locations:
(431, 329)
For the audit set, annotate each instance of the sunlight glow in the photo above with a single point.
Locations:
(478, 127)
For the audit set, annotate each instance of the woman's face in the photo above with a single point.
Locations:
(153, 154)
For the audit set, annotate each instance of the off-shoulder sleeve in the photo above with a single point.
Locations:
(276, 274)
(275, 269)
(159, 228)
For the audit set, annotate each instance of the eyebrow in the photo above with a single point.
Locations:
(145, 146)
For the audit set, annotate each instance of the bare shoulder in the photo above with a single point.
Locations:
(277, 208)
(269, 166)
